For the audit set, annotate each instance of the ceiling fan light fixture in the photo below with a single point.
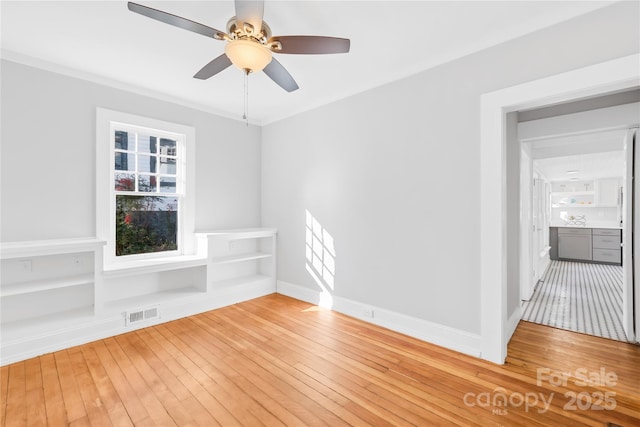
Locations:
(248, 28)
(248, 55)
(249, 42)
(275, 46)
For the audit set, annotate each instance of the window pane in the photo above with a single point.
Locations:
(147, 144)
(146, 163)
(167, 166)
(167, 147)
(124, 181)
(123, 139)
(125, 161)
(146, 224)
(147, 183)
(167, 184)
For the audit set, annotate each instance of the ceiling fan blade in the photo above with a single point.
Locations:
(310, 44)
(213, 67)
(280, 75)
(251, 12)
(176, 21)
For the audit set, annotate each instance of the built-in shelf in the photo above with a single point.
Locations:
(155, 265)
(34, 248)
(573, 187)
(238, 233)
(242, 280)
(44, 285)
(572, 193)
(43, 325)
(169, 295)
(601, 193)
(239, 257)
(56, 292)
(48, 286)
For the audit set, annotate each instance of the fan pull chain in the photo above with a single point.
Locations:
(245, 116)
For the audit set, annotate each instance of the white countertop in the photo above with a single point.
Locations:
(588, 225)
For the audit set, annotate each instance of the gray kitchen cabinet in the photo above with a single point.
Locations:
(575, 244)
(607, 255)
(600, 245)
(606, 245)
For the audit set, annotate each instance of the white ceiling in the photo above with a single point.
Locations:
(103, 41)
(589, 166)
(594, 155)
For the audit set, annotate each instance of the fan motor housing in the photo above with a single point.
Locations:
(247, 32)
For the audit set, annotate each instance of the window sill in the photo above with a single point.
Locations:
(154, 265)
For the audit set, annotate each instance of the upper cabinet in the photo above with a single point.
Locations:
(608, 192)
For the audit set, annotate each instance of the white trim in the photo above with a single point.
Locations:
(606, 77)
(298, 292)
(104, 120)
(582, 123)
(155, 265)
(630, 216)
(239, 233)
(33, 346)
(445, 336)
(32, 248)
(114, 324)
(512, 322)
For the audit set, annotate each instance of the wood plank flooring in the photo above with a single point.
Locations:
(276, 361)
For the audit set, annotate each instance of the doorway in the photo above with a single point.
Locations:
(576, 276)
(496, 312)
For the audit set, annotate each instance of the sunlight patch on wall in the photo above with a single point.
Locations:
(320, 258)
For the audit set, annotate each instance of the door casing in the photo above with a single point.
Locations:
(607, 77)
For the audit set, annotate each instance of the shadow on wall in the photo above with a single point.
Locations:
(321, 259)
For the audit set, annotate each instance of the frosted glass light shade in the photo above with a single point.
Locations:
(248, 55)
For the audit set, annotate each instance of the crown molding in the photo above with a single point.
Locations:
(115, 84)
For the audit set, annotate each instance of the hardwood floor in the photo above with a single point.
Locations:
(276, 361)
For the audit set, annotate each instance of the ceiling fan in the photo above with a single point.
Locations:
(249, 42)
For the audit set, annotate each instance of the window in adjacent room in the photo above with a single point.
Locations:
(147, 211)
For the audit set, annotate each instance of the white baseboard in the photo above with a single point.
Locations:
(512, 322)
(542, 266)
(445, 336)
(298, 292)
(114, 324)
(32, 346)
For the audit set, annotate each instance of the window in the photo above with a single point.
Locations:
(147, 190)
(144, 209)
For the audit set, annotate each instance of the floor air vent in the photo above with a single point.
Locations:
(141, 315)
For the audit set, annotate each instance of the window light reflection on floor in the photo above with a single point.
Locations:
(320, 258)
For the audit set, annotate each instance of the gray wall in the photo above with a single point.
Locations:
(393, 173)
(48, 156)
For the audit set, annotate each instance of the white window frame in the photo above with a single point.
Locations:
(106, 123)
